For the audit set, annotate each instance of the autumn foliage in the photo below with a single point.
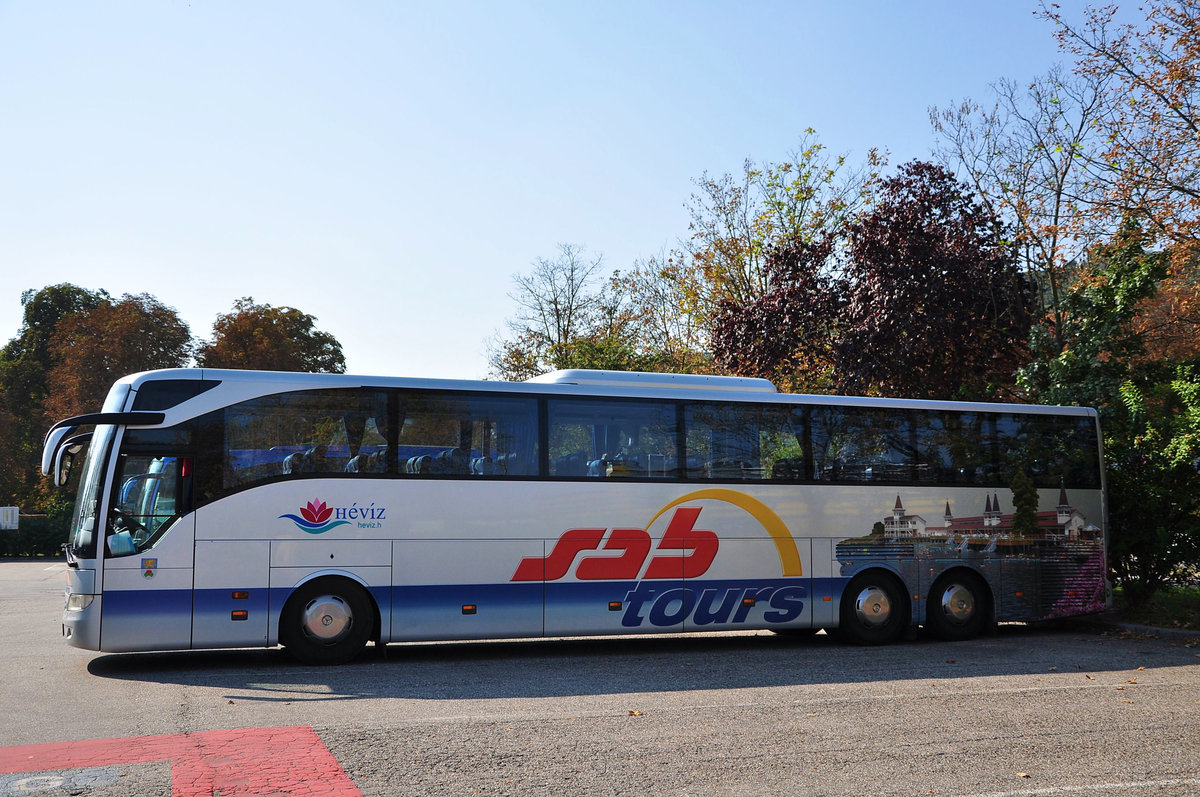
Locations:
(262, 337)
(74, 343)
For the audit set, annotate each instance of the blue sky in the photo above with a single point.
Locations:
(387, 167)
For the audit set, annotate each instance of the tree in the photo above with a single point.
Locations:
(1025, 158)
(1093, 352)
(564, 319)
(1152, 443)
(936, 306)
(93, 348)
(1149, 410)
(1149, 162)
(656, 298)
(789, 333)
(736, 220)
(263, 337)
(25, 362)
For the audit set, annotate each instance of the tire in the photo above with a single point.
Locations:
(327, 621)
(958, 606)
(874, 610)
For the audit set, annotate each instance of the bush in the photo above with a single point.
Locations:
(38, 535)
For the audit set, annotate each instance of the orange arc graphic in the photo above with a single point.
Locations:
(785, 543)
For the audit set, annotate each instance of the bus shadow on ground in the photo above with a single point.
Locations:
(599, 666)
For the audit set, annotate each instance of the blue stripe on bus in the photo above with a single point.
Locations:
(644, 604)
(149, 605)
(525, 593)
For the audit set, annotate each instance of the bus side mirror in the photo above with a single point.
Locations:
(63, 462)
(64, 459)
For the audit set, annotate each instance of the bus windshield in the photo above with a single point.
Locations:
(82, 543)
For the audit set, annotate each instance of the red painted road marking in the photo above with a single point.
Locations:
(246, 761)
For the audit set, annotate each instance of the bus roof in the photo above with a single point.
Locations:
(239, 385)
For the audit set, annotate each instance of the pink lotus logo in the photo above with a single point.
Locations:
(314, 518)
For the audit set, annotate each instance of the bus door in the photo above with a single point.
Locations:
(147, 575)
(229, 602)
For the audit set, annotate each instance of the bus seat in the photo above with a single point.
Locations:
(569, 465)
(484, 466)
(121, 544)
(452, 461)
(367, 463)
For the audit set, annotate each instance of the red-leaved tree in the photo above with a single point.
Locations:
(937, 307)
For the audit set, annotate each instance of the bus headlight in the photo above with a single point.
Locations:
(77, 602)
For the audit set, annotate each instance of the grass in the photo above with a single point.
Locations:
(1178, 607)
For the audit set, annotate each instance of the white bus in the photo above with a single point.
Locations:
(238, 508)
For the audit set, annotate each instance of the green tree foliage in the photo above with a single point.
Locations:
(263, 337)
(1149, 410)
(1152, 439)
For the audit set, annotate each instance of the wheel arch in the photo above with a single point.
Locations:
(331, 574)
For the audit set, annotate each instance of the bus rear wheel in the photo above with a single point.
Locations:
(326, 621)
(874, 609)
(957, 606)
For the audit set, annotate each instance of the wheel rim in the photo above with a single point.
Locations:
(873, 607)
(327, 618)
(958, 604)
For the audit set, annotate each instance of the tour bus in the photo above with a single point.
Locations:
(221, 508)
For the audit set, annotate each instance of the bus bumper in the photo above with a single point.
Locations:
(81, 612)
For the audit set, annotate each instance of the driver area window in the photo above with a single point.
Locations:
(151, 489)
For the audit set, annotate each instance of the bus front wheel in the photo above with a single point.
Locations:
(326, 621)
(874, 609)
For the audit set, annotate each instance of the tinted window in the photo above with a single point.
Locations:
(613, 439)
(743, 442)
(447, 434)
(313, 432)
(853, 444)
(163, 394)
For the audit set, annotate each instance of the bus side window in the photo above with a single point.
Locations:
(452, 434)
(152, 491)
(724, 442)
(601, 438)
